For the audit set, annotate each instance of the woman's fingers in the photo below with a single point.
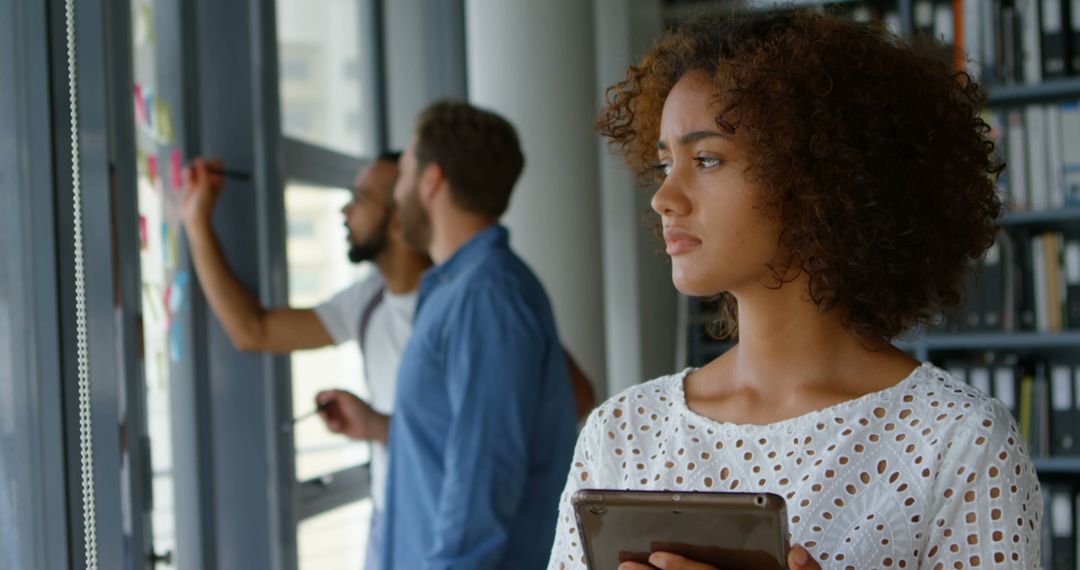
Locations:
(799, 559)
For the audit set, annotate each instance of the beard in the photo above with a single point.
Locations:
(415, 222)
(370, 248)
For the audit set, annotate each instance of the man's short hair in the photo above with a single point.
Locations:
(477, 150)
(389, 156)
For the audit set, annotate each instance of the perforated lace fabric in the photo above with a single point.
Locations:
(929, 473)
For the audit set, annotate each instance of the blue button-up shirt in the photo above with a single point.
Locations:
(484, 424)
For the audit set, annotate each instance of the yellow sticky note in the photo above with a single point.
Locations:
(144, 25)
(170, 247)
(163, 122)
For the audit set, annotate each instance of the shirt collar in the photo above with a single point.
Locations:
(495, 236)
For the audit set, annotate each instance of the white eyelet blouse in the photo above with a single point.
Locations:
(929, 473)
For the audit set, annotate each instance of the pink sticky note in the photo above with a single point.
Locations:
(151, 167)
(165, 298)
(142, 233)
(177, 165)
(141, 116)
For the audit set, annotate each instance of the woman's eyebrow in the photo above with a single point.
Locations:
(692, 137)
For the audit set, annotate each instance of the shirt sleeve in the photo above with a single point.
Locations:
(340, 314)
(495, 367)
(991, 505)
(567, 552)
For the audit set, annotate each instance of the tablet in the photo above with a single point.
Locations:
(724, 530)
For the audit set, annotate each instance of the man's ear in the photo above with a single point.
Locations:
(431, 181)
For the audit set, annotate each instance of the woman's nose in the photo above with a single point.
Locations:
(669, 199)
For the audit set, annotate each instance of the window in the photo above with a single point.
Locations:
(318, 269)
(319, 47)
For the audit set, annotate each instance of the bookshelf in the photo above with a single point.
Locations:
(1048, 219)
(922, 346)
(1046, 92)
(1032, 345)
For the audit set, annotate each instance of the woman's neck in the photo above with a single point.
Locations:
(792, 358)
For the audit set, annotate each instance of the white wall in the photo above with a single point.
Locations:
(533, 62)
(639, 299)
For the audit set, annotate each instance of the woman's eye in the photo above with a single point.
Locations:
(707, 161)
(662, 168)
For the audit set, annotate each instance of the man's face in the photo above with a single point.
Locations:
(367, 215)
(415, 221)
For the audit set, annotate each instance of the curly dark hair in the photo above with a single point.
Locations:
(478, 151)
(871, 152)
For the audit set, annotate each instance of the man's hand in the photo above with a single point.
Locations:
(202, 186)
(344, 413)
(798, 559)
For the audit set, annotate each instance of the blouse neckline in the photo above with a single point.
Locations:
(812, 417)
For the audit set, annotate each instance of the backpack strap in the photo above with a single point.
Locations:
(365, 317)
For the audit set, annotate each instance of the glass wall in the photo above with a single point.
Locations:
(322, 68)
(19, 516)
(325, 68)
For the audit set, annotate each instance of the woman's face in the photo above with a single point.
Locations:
(716, 237)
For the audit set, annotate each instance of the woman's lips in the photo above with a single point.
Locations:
(679, 241)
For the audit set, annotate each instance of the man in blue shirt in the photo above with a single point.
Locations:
(484, 424)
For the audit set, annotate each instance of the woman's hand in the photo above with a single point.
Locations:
(798, 559)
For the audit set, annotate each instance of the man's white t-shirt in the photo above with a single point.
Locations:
(388, 329)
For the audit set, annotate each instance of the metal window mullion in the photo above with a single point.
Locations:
(273, 272)
(372, 24)
(321, 494)
(126, 214)
(25, 125)
(313, 164)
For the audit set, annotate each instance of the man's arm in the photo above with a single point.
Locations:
(493, 380)
(584, 398)
(248, 324)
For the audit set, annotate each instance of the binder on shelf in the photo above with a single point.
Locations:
(1039, 272)
(1024, 284)
(968, 316)
(1070, 147)
(1041, 411)
(1004, 388)
(1016, 169)
(979, 376)
(1064, 414)
(1055, 155)
(992, 290)
(1053, 39)
(1038, 185)
(924, 17)
(1074, 35)
(973, 27)
(945, 32)
(1051, 245)
(1030, 46)
(1072, 283)
(1062, 527)
(1009, 56)
(1010, 274)
(1034, 413)
(958, 371)
(1023, 415)
(997, 121)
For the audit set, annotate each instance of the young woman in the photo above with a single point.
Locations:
(833, 186)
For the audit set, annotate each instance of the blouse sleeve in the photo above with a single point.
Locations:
(567, 552)
(989, 501)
